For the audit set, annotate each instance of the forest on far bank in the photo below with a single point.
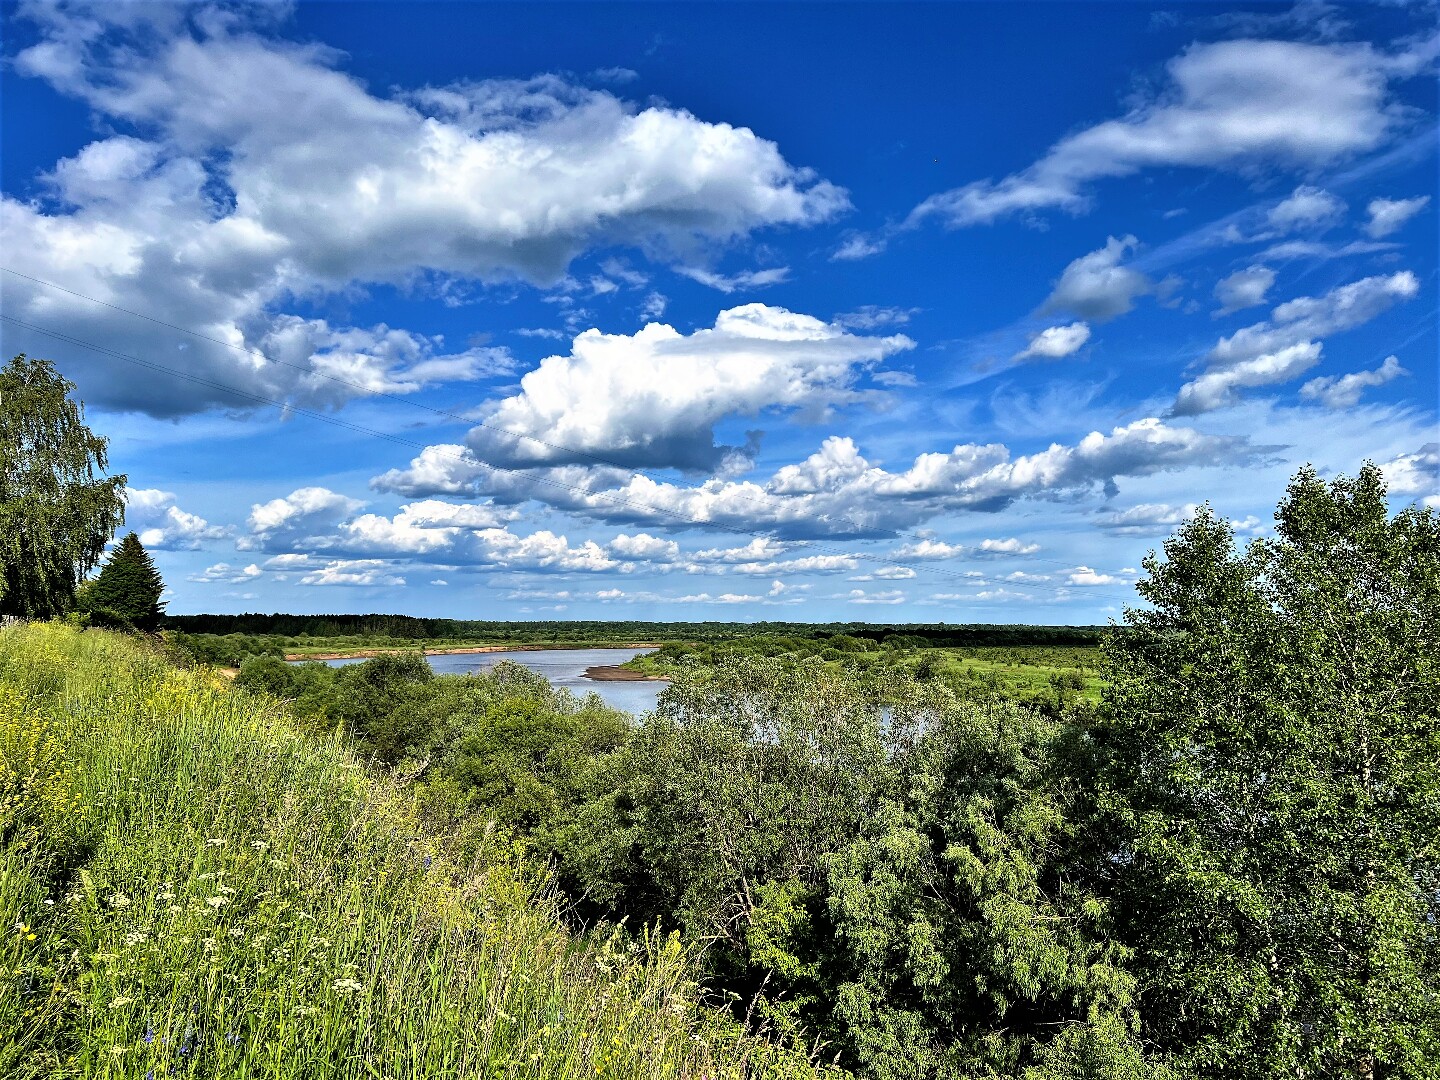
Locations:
(229, 640)
(277, 633)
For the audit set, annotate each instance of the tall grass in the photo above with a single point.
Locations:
(190, 887)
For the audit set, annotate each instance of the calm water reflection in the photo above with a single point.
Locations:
(563, 667)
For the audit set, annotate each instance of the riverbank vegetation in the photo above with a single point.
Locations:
(1049, 677)
(227, 640)
(1205, 850)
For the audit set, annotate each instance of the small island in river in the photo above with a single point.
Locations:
(616, 673)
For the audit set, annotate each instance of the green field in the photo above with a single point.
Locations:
(1026, 673)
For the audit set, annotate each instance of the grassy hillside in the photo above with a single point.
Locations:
(189, 886)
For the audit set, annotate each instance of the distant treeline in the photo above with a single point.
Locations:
(913, 635)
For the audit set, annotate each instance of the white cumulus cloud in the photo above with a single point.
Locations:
(372, 572)
(836, 492)
(1098, 286)
(162, 525)
(1390, 215)
(653, 399)
(1056, 342)
(1287, 344)
(1415, 474)
(1084, 575)
(1146, 519)
(1243, 289)
(265, 172)
(1343, 391)
(1306, 208)
(887, 597)
(227, 574)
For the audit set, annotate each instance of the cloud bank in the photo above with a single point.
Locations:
(263, 173)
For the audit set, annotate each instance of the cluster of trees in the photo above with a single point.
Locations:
(840, 635)
(1228, 870)
(58, 511)
(227, 650)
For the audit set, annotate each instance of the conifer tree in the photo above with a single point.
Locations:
(127, 589)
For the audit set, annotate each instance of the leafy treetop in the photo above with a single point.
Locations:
(57, 510)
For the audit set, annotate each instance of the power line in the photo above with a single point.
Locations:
(471, 459)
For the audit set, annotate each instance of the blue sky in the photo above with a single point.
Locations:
(893, 312)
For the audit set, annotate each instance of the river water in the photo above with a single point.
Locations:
(563, 667)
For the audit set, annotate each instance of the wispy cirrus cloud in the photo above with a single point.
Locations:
(1233, 105)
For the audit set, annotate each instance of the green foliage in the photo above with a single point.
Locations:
(56, 511)
(528, 762)
(1274, 756)
(191, 887)
(230, 650)
(897, 881)
(126, 593)
(969, 946)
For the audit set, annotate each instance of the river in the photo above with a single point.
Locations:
(563, 667)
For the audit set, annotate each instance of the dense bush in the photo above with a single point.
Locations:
(400, 629)
(801, 825)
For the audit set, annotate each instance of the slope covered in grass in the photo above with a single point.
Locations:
(190, 886)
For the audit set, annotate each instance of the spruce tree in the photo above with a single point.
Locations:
(127, 589)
